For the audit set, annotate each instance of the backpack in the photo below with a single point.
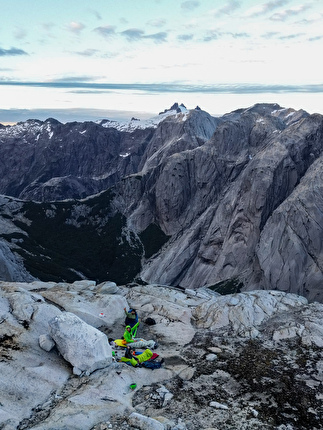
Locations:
(150, 321)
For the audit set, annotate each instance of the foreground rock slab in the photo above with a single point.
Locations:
(246, 361)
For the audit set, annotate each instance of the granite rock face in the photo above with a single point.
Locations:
(257, 177)
(192, 200)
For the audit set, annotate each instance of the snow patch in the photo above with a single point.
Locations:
(137, 124)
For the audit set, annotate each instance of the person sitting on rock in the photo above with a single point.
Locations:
(131, 318)
(128, 336)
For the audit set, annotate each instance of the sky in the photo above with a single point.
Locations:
(94, 59)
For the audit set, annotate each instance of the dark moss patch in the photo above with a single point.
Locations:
(7, 344)
(153, 238)
(267, 371)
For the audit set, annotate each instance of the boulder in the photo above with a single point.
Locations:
(46, 342)
(144, 423)
(85, 347)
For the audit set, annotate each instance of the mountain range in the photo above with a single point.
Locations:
(184, 199)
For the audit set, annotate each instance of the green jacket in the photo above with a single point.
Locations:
(146, 355)
(128, 335)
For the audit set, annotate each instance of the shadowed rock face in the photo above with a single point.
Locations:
(54, 161)
(193, 200)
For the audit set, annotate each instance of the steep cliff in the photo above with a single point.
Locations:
(230, 202)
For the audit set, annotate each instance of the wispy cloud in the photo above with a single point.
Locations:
(211, 35)
(291, 36)
(229, 7)
(133, 34)
(265, 8)
(270, 35)
(75, 27)
(315, 38)
(71, 80)
(95, 13)
(314, 18)
(86, 82)
(190, 5)
(12, 52)
(287, 13)
(48, 26)
(238, 35)
(88, 52)
(157, 37)
(106, 31)
(216, 34)
(20, 33)
(157, 23)
(185, 37)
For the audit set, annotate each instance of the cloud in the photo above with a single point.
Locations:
(11, 52)
(190, 5)
(157, 22)
(211, 35)
(228, 8)
(48, 26)
(157, 37)
(270, 34)
(86, 82)
(95, 13)
(20, 33)
(88, 52)
(185, 37)
(133, 34)
(265, 8)
(239, 35)
(216, 34)
(287, 13)
(315, 38)
(75, 27)
(106, 31)
(91, 52)
(291, 36)
(73, 80)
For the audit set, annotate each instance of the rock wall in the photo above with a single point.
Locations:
(194, 201)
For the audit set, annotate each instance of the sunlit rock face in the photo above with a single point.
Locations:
(247, 360)
(185, 200)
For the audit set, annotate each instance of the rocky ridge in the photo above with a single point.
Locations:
(243, 361)
(192, 201)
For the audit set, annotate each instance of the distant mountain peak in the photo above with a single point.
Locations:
(176, 107)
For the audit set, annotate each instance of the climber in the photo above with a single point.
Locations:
(131, 318)
(128, 336)
(138, 359)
